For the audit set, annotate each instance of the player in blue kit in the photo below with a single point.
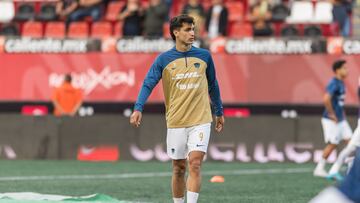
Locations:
(335, 126)
(347, 151)
(188, 78)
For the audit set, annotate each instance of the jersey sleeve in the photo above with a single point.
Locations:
(331, 88)
(213, 87)
(152, 78)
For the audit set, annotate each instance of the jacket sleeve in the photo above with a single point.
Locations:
(151, 80)
(213, 86)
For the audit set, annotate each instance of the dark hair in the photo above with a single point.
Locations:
(338, 64)
(67, 77)
(178, 21)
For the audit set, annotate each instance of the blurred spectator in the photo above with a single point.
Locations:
(65, 7)
(259, 16)
(197, 11)
(86, 8)
(155, 16)
(272, 3)
(217, 19)
(356, 19)
(341, 11)
(66, 98)
(132, 16)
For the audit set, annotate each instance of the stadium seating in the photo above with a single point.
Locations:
(166, 31)
(323, 12)
(47, 12)
(9, 30)
(55, 30)
(301, 12)
(289, 31)
(32, 29)
(78, 30)
(7, 11)
(312, 31)
(236, 10)
(101, 30)
(279, 13)
(240, 29)
(118, 29)
(25, 12)
(113, 10)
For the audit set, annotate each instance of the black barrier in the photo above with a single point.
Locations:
(254, 139)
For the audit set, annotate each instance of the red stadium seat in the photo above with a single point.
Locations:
(32, 29)
(206, 4)
(113, 10)
(166, 31)
(236, 10)
(239, 29)
(101, 29)
(55, 30)
(118, 29)
(78, 30)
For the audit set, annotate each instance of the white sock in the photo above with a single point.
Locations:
(341, 158)
(321, 164)
(179, 200)
(192, 197)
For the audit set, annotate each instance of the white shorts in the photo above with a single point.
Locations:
(355, 139)
(181, 141)
(334, 132)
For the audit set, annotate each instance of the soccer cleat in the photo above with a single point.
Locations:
(319, 172)
(335, 176)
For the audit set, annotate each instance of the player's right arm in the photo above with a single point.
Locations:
(330, 90)
(152, 78)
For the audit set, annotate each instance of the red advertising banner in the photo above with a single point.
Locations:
(299, 79)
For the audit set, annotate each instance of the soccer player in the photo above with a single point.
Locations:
(350, 147)
(334, 124)
(188, 78)
(348, 191)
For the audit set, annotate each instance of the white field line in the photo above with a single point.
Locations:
(156, 174)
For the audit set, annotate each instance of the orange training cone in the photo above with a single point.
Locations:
(217, 179)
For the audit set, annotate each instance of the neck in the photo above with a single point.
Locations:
(182, 47)
(339, 77)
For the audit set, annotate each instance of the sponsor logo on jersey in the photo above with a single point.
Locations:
(180, 76)
(187, 86)
(197, 65)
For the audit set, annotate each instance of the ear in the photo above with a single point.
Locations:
(176, 33)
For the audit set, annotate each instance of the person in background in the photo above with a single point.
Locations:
(260, 15)
(132, 17)
(334, 123)
(66, 99)
(65, 7)
(334, 172)
(155, 17)
(341, 11)
(216, 20)
(86, 8)
(195, 9)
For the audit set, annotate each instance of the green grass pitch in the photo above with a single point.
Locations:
(150, 182)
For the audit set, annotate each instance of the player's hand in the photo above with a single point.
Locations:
(333, 117)
(219, 123)
(135, 118)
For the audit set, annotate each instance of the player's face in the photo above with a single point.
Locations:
(186, 34)
(343, 71)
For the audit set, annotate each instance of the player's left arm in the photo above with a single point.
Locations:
(214, 93)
